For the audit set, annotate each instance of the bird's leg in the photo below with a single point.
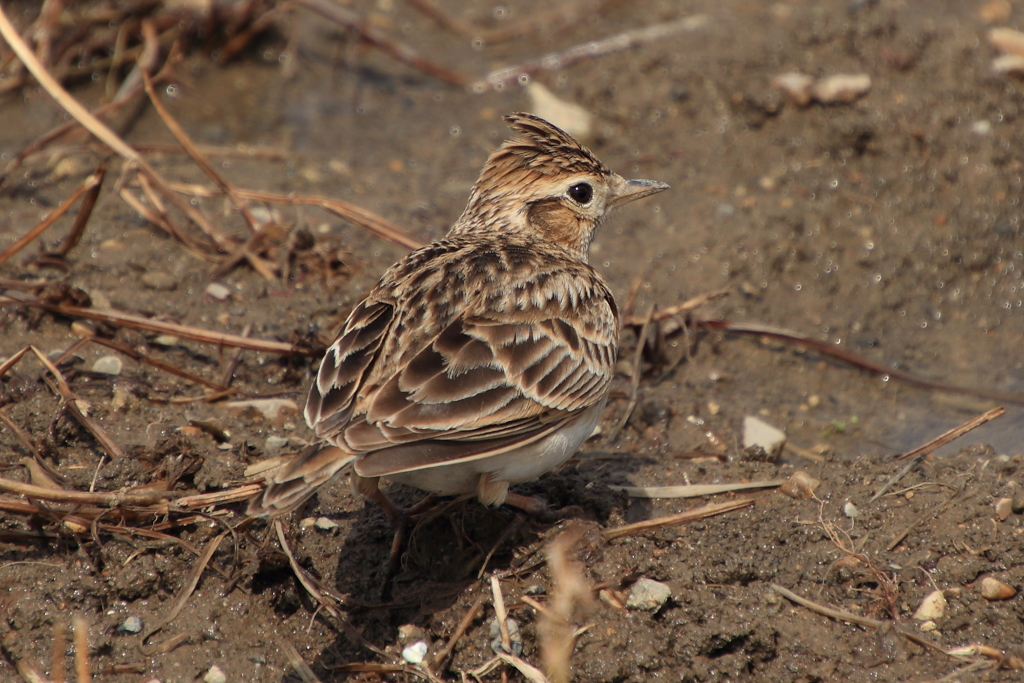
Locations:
(369, 488)
(400, 519)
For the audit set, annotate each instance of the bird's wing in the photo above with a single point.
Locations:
(345, 367)
(481, 384)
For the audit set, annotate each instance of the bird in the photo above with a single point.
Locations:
(482, 360)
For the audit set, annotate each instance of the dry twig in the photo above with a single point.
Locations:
(497, 80)
(710, 510)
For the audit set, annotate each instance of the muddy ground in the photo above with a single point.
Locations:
(889, 226)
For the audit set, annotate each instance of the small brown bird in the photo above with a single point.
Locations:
(483, 359)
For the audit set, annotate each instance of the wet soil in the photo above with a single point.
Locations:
(889, 226)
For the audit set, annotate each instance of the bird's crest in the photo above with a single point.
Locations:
(540, 147)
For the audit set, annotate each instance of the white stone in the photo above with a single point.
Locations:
(108, 365)
(325, 524)
(841, 88)
(159, 280)
(756, 432)
(1009, 64)
(131, 625)
(166, 340)
(932, 607)
(216, 290)
(797, 86)
(415, 653)
(648, 595)
(215, 675)
(274, 446)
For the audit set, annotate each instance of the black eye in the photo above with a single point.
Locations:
(581, 193)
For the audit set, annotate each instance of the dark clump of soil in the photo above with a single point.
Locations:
(888, 226)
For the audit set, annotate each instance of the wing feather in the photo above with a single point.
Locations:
(412, 374)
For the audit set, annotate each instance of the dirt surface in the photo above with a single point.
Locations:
(889, 226)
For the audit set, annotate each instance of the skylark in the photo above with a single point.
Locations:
(483, 359)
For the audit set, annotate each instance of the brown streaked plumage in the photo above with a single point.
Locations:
(482, 359)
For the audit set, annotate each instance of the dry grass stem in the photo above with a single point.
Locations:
(398, 51)
(634, 386)
(81, 634)
(497, 80)
(158, 364)
(193, 151)
(358, 216)
(298, 664)
(186, 592)
(138, 322)
(953, 434)
(101, 131)
(78, 407)
(84, 211)
(501, 614)
(565, 16)
(830, 350)
(710, 510)
(90, 182)
(438, 661)
(572, 598)
(694, 490)
(57, 652)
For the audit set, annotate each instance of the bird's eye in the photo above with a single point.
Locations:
(581, 193)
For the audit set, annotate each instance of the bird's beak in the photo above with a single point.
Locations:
(625, 191)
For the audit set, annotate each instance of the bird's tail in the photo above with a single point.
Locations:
(298, 480)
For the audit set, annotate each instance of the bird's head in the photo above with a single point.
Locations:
(545, 184)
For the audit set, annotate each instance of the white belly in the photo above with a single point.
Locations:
(514, 467)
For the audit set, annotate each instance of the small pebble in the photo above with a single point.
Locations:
(216, 290)
(799, 486)
(841, 88)
(325, 524)
(121, 397)
(108, 365)
(1012, 65)
(131, 625)
(796, 86)
(166, 340)
(83, 328)
(215, 675)
(1004, 506)
(1017, 506)
(932, 607)
(648, 595)
(757, 432)
(1007, 41)
(415, 653)
(994, 589)
(535, 589)
(929, 626)
(159, 280)
(981, 128)
(99, 299)
(274, 446)
(307, 523)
